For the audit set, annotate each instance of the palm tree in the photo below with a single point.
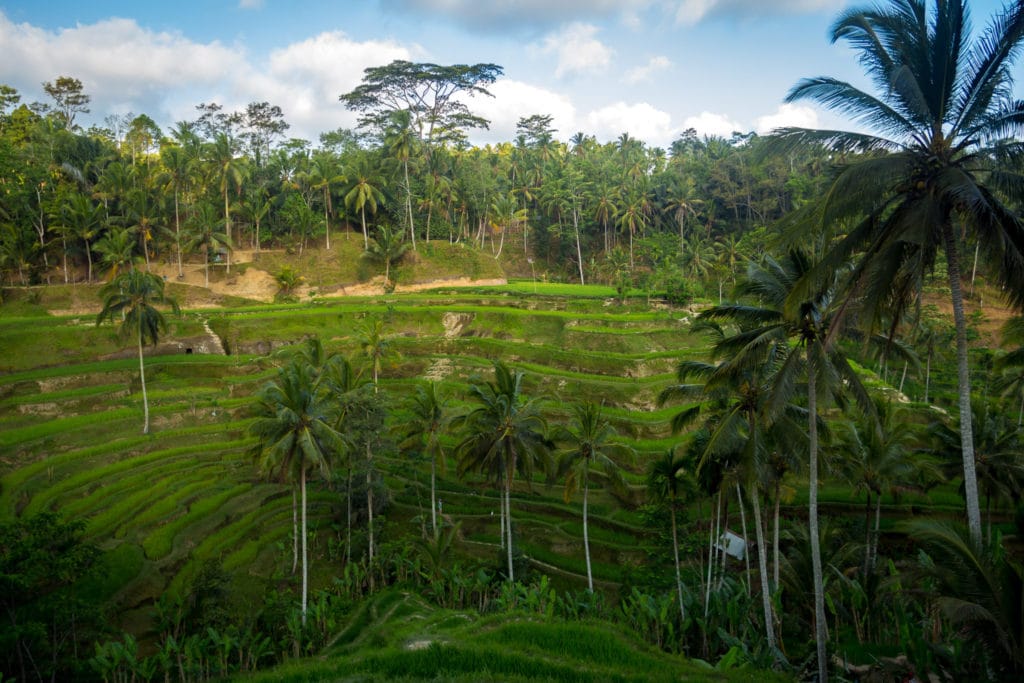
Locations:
(117, 252)
(504, 434)
(295, 434)
(401, 139)
(981, 593)
(735, 398)
(179, 169)
(201, 233)
(876, 460)
(131, 299)
(375, 346)
(228, 170)
(364, 192)
(589, 445)
(765, 331)
(668, 481)
(387, 248)
(943, 111)
(83, 219)
(323, 175)
(422, 433)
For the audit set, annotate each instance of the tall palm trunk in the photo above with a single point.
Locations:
(433, 494)
(369, 508)
(820, 634)
(579, 250)
(586, 538)
(762, 564)
(775, 536)
(177, 232)
(305, 551)
(348, 515)
(362, 217)
(142, 379)
(408, 204)
(511, 459)
(295, 530)
(675, 558)
(743, 525)
(227, 227)
(964, 387)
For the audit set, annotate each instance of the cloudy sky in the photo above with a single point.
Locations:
(652, 68)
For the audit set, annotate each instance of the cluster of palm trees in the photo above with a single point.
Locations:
(314, 416)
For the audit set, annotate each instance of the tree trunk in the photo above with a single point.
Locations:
(579, 251)
(295, 531)
(878, 525)
(366, 237)
(927, 374)
(675, 557)
(775, 534)
(586, 538)
(762, 563)
(369, 509)
(820, 626)
(433, 494)
(327, 216)
(142, 379)
(508, 527)
(227, 232)
(408, 205)
(88, 258)
(963, 387)
(348, 516)
(743, 524)
(305, 551)
(177, 233)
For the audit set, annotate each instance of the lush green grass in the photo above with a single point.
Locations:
(396, 637)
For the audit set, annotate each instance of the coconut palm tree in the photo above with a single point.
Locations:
(589, 446)
(364, 192)
(229, 172)
(179, 170)
(944, 160)
(131, 300)
(117, 252)
(877, 457)
(503, 434)
(295, 434)
(387, 248)
(201, 233)
(766, 329)
(669, 482)
(422, 432)
(83, 220)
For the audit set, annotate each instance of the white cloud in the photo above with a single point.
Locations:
(708, 123)
(500, 15)
(514, 100)
(577, 49)
(125, 67)
(640, 120)
(690, 12)
(787, 115)
(644, 73)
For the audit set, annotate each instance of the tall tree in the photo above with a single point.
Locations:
(131, 299)
(503, 434)
(589, 446)
(69, 99)
(428, 422)
(295, 435)
(669, 482)
(943, 116)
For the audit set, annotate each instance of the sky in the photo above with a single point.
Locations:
(652, 68)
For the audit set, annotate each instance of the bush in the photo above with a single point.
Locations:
(679, 291)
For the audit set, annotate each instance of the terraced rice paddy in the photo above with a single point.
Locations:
(159, 505)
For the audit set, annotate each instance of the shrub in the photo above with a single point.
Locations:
(679, 291)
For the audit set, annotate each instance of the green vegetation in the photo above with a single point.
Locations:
(720, 387)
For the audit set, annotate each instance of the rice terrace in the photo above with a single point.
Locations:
(396, 405)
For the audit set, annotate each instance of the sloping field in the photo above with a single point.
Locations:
(71, 418)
